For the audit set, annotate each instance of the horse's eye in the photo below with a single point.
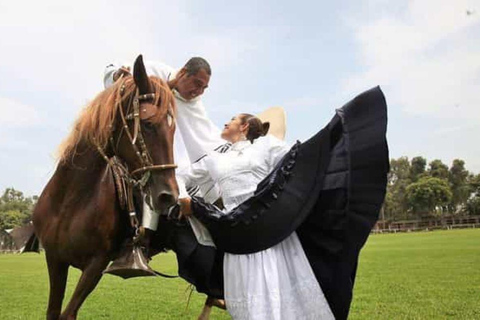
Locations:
(148, 126)
(169, 119)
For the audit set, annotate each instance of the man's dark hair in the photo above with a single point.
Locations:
(195, 64)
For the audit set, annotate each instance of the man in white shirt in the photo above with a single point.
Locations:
(196, 134)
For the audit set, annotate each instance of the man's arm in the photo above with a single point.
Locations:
(113, 72)
(108, 75)
(195, 174)
(199, 133)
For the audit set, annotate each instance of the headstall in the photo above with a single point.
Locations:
(125, 180)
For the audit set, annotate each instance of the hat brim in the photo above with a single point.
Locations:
(277, 118)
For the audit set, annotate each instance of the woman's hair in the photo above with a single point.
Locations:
(256, 128)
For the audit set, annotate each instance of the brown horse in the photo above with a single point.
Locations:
(123, 138)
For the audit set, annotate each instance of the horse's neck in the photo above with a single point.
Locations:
(82, 173)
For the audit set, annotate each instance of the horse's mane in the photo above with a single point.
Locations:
(96, 120)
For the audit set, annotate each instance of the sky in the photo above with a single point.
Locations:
(309, 57)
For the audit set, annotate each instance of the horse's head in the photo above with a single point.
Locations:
(143, 136)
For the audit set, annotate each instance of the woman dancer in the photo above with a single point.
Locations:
(276, 283)
(327, 191)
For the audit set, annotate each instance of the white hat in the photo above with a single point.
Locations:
(278, 121)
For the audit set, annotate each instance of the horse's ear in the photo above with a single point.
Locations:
(140, 76)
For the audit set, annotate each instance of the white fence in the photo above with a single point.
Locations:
(446, 223)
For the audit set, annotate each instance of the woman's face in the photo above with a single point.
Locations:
(232, 131)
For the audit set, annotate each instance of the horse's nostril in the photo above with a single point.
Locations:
(166, 199)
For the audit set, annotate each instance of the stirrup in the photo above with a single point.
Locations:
(139, 236)
(130, 263)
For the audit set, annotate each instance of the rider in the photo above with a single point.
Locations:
(196, 133)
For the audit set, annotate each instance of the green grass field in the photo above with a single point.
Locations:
(431, 275)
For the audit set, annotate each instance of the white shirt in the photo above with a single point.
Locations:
(236, 172)
(196, 133)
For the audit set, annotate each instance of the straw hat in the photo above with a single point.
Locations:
(278, 121)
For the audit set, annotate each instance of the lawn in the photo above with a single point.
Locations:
(431, 275)
(421, 275)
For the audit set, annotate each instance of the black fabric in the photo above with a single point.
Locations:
(329, 189)
(351, 197)
(200, 265)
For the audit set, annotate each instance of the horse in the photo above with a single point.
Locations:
(122, 141)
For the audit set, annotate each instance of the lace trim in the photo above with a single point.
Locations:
(304, 301)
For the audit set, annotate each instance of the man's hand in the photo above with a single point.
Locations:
(123, 71)
(185, 207)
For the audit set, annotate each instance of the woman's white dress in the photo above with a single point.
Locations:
(276, 283)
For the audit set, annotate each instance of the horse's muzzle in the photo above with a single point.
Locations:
(164, 201)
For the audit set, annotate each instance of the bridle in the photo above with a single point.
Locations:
(124, 179)
(143, 154)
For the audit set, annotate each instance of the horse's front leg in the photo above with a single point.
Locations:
(91, 275)
(58, 273)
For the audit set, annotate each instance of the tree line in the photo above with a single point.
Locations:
(414, 191)
(417, 191)
(15, 209)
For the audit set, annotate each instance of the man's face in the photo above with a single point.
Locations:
(192, 86)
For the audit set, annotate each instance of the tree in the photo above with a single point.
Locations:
(472, 206)
(428, 194)
(457, 177)
(11, 219)
(411, 190)
(473, 182)
(417, 168)
(438, 169)
(399, 170)
(395, 205)
(15, 208)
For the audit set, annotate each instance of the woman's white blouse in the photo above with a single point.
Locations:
(236, 172)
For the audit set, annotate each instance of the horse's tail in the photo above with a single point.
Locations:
(32, 245)
(25, 239)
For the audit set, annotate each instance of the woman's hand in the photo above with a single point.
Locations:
(185, 207)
